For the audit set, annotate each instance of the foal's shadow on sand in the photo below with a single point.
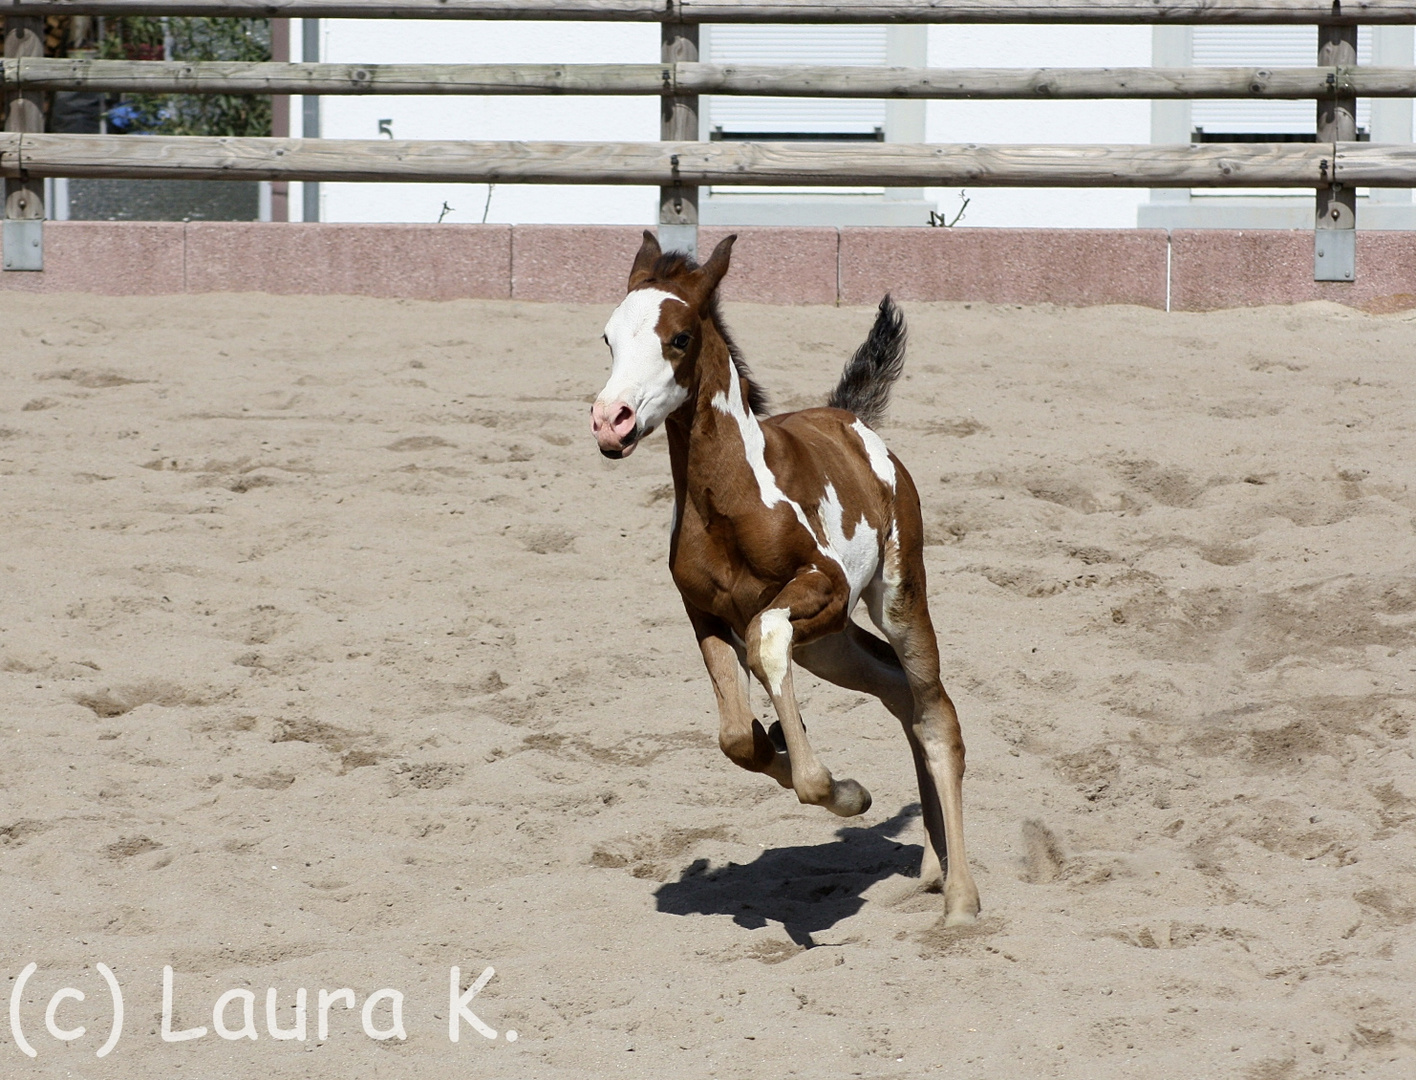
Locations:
(807, 889)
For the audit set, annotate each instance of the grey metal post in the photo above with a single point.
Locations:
(23, 230)
(1391, 117)
(310, 112)
(678, 122)
(1335, 227)
(1172, 46)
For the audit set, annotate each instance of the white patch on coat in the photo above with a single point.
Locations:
(858, 554)
(880, 593)
(754, 443)
(640, 376)
(880, 462)
(775, 646)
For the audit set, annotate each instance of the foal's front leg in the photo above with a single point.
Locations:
(740, 736)
(808, 600)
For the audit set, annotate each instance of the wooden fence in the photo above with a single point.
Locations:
(1333, 166)
(691, 164)
(1148, 12)
(668, 80)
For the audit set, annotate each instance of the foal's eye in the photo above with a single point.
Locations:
(681, 341)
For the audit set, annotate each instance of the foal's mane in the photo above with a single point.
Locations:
(675, 264)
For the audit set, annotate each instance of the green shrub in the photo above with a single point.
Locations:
(142, 37)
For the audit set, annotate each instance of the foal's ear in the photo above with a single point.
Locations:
(643, 268)
(711, 272)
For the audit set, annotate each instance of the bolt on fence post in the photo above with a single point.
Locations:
(678, 122)
(1335, 226)
(23, 231)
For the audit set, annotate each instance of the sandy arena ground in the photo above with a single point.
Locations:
(333, 655)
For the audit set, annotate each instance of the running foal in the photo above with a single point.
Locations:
(781, 524)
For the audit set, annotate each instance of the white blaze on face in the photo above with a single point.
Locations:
(640, 376)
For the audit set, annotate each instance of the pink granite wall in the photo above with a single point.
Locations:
(1223, 268)
(589, 264)
(438, 262)
(778, 265)
(1209, 269)
(1077, 267)
(574, 264)
(112, 258)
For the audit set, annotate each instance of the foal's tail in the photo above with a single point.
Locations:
(866, 380)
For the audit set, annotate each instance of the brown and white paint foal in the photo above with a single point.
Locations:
(781, 523)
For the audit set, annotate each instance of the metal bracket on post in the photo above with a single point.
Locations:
(1335, 237)
(679, 238)
(678, 122)
(1335, 222)
(24, 244)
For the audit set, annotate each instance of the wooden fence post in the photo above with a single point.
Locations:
(678, 122)
(1335, 227)
(24, 196)
(310, 115)
(280, 117)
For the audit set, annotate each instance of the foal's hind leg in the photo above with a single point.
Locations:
(809, 602)
(899, 607)
(858, 660)
(740, 736)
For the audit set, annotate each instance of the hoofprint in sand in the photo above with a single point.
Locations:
(334, 656)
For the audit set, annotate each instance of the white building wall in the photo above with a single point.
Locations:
(1040, 121)
(628, 119)
(636, 118)
(1388, 120)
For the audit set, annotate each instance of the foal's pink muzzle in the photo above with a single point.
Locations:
(614, 426)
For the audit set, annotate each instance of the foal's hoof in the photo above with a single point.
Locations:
(961, 906)
(961, 917)
(848, 798)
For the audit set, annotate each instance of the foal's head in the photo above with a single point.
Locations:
(655, 337)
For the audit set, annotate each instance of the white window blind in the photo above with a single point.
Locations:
(1266, 46)
(837, 45)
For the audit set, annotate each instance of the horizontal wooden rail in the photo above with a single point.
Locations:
(219, 77)
(1306, 165)
(1349, 12)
